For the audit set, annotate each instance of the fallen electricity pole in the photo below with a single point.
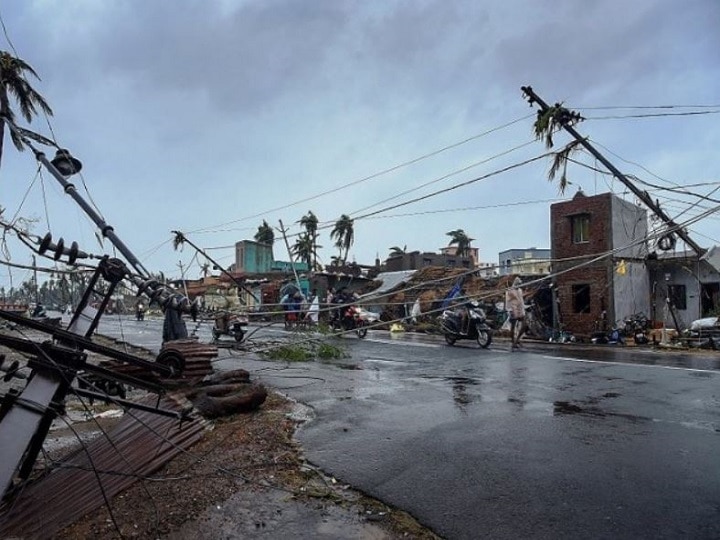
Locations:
(673, 228)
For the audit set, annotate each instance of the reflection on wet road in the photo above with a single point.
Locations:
(570, 443)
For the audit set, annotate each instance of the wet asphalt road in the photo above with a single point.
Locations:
(476, 443)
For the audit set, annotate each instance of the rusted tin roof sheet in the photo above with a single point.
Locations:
(137, 446)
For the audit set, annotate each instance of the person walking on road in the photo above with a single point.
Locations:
(515, 306)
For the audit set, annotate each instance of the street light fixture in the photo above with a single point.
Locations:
(65, 163)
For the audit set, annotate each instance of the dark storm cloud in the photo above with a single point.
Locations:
(243, 59)
(579, 47)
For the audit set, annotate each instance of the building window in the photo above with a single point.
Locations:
(677, 296)
(581, 298)
(580, 228)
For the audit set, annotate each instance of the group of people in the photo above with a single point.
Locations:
(298, 310)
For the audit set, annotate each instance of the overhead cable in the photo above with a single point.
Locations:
(371, 176)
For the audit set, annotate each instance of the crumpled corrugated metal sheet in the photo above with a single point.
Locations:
(137, 446)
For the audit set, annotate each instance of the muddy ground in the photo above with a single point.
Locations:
(246, 478)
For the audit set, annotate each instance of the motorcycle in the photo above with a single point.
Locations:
(637, 326)
(230, 324)
(351, 318)
(466, 322)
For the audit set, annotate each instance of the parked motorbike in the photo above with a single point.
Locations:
(230, 324)
(637, 327)
(351, 318)
(466, 322)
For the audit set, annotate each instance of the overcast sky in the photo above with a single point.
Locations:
(205, 116)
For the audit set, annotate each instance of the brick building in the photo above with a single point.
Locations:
(416, 260)
(603, 290)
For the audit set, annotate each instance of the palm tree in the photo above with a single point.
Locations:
(303, 249)
(13, 83)
(396, 250)
(310, 222)
(344, 235)
(265, 234)
(461, 240)
(205, 269)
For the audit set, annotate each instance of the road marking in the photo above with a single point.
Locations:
(403, 342)
(571, 359)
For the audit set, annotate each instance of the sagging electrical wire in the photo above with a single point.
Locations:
(445, 177)
(371, 176)
(651, 115)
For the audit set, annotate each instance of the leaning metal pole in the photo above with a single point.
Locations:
(69, 188)
(642, 195)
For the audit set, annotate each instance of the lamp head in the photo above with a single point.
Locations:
(65, 163)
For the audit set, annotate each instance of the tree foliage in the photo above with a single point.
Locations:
(344, 235)
(461, 240)
(265, 234)
(310, 222)
(551, 120)
(14, 84)
(303, 249)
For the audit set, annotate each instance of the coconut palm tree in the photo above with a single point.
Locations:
(344, 235)
(310, 222)
(265, 234)
(461, 240)
(397, 250)
(303, 249)
(205, 269)
(14, 84)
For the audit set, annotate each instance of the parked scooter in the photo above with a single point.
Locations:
(637, 327)
(466, 322)
(350, 318)
(230, 324)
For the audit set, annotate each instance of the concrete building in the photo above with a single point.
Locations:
(596, 289)
(253, 257)
(473, 253)
(529, 261)
(684, 287)
(416, 260)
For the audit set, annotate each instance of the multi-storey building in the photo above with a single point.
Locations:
(599, 253)
(529, 261)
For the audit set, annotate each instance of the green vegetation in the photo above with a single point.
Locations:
(305, 351)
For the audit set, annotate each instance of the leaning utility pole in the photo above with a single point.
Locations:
(532, 97)
(283, 230)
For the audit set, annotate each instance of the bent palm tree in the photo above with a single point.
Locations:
(303, 249)
(397, 250)
(265, 234)
(310, 222)
(461, 240)
(344, 235)
(13, 83)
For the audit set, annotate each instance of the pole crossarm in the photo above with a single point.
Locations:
(640, 194)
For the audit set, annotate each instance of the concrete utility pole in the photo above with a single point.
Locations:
(642, 195)
(290, 255)
(182, 276)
